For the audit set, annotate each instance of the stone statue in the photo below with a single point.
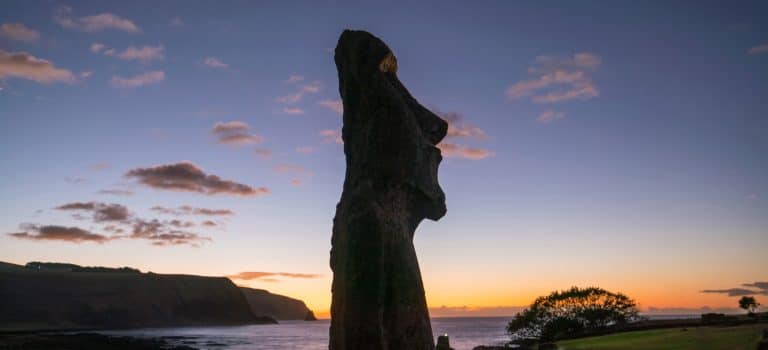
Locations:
(390, 186)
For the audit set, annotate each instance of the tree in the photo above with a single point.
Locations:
(571, 311)
(749, 304)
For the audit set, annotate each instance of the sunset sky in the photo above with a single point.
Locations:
(618, 144)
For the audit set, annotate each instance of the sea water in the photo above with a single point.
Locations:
(464, 333)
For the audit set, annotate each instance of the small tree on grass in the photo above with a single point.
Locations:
(570, 312)
(749, 304)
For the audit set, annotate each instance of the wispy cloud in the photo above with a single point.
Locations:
(331, 136)
(549, 116)
(58, 233)
(294, 79)
(97, 47)
(235, 133)
(271, 276)
(25, 66)
(334, 105)
(461, 131)
(293, 111)
(756, 288)
(165, 233)
(116, 192)
(143, 54)
(94, 23)
(18, 32)
(558, 79)
(461, 151)
(214, 62)
(759, 49)
(312, 88)
(101, 211)
(143, 79)
(176, 22)
(188, 177)
(190, 210)
(263, 153)
(298, 173)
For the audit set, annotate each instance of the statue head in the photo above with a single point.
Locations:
(389, 138)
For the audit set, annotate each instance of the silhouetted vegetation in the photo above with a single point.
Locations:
(65, 267)
(570, 312)
(749, 304)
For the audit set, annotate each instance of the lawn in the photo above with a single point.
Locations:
(701, 338)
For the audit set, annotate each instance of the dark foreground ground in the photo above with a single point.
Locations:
(92, 341)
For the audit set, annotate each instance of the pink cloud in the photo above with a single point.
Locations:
(143, 54)
(95, 23)
(759, 49)
(334, 105)
(25, 66)
(143, 79)
(453, 150)
(293, 111)
(214, 62)
(18, 32)
(235, 133)
(331, 136)
(549, 116)
(558, 79)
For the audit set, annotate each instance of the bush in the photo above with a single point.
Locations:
(570, 312)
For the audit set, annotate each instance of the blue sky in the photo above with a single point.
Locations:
(613, 143)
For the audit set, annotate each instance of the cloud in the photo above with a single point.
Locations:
(549, 116)
(454, 150)
(188, 177)
(97, 47)
(101, 211)
(760, 285)
(736, 292)
(688, 311)
(305, 149)
(208, 223)
(25, 66)
(143, 54)
(86, 74)
(100, 166)
(558, 79)
(312, 88)
(18, 32)
(331, 136)
(299, 173)
(176, 22)
(163, 234)
(148, 78)
(95, 23)
(293, 111)
(263, 153)
(214, 62)
(759, 49)
(235, 133)
(116, 192)
(75, 180)
(460, 130)
(334, 105)
(294, 79)
(271, 276)
(190, 210)
(58, 233)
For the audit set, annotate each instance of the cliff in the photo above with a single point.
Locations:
(279, 307)
(54, 299)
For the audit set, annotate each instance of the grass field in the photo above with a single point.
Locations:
(701, 338)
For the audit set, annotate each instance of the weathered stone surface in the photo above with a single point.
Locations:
(390, 187)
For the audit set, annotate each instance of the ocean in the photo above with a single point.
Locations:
(465, 334)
